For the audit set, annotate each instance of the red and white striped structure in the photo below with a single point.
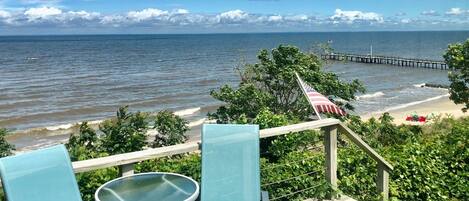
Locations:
(320, 103)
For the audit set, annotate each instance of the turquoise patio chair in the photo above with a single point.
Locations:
(230, 163)
(42, 175)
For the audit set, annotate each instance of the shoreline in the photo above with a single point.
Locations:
(438, 106)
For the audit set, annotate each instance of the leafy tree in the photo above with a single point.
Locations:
(271, 83)
(126, 133)
(87, 137)
(457, 58)
(171, 129)
(5, 147)
(84, 145)
(383, 132)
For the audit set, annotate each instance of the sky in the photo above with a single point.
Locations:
(26, 17)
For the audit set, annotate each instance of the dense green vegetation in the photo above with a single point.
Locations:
(457, 58)
(171, 129)
(5, 147)
(430, 161)
(271, 83)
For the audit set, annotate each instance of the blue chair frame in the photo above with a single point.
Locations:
(41, 175)
(231, 163)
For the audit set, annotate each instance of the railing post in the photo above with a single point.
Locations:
(330, 145)
(126, 170)
(382, 181)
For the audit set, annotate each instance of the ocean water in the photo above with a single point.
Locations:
(48, 81)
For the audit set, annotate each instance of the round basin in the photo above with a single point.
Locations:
(152, 186)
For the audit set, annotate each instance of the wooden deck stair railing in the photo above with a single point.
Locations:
(330, 126)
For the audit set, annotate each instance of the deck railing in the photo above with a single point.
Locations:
(126, 161)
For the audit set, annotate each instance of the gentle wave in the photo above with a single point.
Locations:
(419, 85)
(373, 95)
(40, 143)
(413, 103)
(59, 127)
(187, 112)
(197, 122)
(182, 113)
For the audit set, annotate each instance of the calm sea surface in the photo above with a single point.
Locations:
(54, 80)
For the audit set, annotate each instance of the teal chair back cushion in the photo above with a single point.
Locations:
(230, 163)
(42, 175)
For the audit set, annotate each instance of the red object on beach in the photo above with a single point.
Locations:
(409, 118)
(422, 119)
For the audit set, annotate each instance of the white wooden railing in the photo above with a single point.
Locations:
(330, 126)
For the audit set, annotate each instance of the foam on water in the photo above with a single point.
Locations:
(64, 127)
(413, 103)
(59, 127)
(419, 85)
(187, 112)
(373, 95)
(197, 122)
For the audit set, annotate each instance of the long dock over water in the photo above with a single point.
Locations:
(389, 60)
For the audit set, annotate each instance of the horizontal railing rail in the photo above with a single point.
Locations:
(126, 161)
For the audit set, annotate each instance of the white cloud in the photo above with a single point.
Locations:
(455, 11)
(5, 17)
(146, 14)
(81, 15)
(275, 18)
(232, 16)
(353, 16)
(430, 13)
(57, 17)
(406, 21)
(4, 14)
(297, 18)
(34, 14)
(114, 20)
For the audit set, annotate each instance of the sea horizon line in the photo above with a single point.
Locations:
(232, 33)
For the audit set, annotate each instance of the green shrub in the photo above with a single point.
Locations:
(356, 173)
(5, 147)
(271, 83)
(89, 182)
(430, 165)
(5, 150)
(171, 129)
(186, 164)
(293, 172)
(126, 133)
(83, 146)
(425, 168)
(457, 58)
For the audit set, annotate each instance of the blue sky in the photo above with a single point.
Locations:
(207, 16)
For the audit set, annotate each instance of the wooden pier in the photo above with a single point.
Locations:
(396, 61)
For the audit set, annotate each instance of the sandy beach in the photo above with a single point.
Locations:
(442, 106)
